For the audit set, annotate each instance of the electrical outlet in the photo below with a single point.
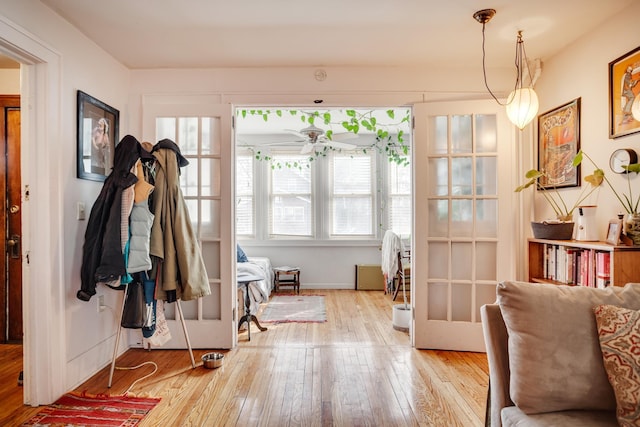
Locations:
(101, 305)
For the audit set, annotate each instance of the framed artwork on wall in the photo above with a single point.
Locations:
(624, 94)
(97, 133)
(558, 143)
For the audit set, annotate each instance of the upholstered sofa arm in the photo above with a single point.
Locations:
(496, 340)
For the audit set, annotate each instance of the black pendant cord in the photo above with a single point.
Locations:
(484, 69)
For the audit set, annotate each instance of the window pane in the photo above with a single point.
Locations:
(461, 141)
(189, 179)
(211, 135)
(244, 195)
(291, 205)
(439, 176)
(352, 175)
(486, 268)
(438, 218)
(400, 215)
(486, 134)
(399, 178)
(439, 260)
(188, 135)
(461, 218)
(462, 270)
(438, 301)
(486, 176)
(487, 218)
(438, 138)
(291, 216)
(210, 177)
(461, 302)
(461, 176)
(352, 216)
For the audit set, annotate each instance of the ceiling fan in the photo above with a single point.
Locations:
(313, 137)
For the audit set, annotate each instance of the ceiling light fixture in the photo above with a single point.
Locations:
(522, 102)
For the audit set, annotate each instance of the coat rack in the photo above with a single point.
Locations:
(115, 349)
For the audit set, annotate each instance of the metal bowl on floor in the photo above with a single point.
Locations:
(212, 360)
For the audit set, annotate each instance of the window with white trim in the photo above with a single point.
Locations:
(291, 203)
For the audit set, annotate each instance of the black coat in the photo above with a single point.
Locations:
(102, 257)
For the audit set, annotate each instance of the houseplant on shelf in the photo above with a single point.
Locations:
(628, 200)
(562, 227)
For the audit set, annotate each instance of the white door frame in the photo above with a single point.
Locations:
(43, 281)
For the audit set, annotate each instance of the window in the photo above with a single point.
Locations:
(352, 201)
(245, 201)
(290, 196)
(399, 199)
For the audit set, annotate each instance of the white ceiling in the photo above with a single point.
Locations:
(330, 33)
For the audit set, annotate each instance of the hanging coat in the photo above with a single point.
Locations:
(172, 237)
(102, 257)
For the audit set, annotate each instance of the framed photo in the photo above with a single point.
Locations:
(97, 137)
(624, 94)
(613, 232)
(558, 143)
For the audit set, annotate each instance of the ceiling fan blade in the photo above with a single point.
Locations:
(307, 148)
(343, 136)
(258, 138)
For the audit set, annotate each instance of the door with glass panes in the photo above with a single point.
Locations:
(463, 219)
(203, 133)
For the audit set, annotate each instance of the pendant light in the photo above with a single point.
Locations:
(522, 102)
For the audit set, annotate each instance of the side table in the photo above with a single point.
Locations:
(244, 280)
(287, 276)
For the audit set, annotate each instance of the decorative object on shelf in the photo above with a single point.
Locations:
(586, 227)
(522, 102)
(614, 231)
(622, 157)
(632, 227)
(563, 211)
(624, 107)
(558, 144)
(97, 134)
(552, 230)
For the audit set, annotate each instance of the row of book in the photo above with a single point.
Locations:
(577, 266)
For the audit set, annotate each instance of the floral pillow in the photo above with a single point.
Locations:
(619, 334)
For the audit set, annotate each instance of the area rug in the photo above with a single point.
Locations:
(85, 410)
(295, 308)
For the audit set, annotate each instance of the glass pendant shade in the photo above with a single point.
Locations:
(522, 106)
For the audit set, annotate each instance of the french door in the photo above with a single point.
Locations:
(203, 133)
(463, 219)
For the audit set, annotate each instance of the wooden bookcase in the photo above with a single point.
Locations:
(624, 261)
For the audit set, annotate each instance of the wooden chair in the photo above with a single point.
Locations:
(404, 272)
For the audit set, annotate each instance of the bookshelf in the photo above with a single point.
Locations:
(593, 264)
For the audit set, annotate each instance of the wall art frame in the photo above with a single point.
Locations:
(624, 94)
(558, 144)
(97, 135)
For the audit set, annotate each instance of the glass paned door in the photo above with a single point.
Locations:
(463, 214)
(203, 134)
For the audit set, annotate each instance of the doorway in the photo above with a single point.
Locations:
(10, 218)
(319, 187)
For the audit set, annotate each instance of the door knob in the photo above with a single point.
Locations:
(14, 209)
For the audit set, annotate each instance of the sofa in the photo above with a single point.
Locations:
(563, 355)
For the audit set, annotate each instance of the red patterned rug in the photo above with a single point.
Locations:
(74, 409)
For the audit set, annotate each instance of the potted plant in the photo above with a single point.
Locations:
(628, 200)
(562, 227)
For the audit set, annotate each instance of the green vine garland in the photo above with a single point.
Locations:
(389, 139)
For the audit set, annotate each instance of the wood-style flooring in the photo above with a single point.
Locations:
(353, 370)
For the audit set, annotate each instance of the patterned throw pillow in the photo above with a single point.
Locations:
(619, 334)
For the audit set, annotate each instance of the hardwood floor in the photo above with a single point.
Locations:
(353, 370)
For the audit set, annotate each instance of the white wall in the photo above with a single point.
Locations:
(581, 71)
(10, 81)
(89, 336)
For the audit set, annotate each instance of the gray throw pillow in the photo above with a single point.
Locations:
(554, 352)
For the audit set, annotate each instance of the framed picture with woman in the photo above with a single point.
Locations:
(97, 137)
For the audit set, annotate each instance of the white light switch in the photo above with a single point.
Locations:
(81, 211)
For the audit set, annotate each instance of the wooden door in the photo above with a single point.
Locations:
(10, 218)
